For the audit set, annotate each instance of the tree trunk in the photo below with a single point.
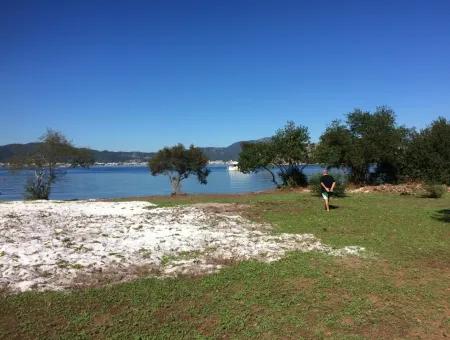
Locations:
(175, 182)
(273, 177)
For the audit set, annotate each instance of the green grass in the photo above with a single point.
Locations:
(401, 291)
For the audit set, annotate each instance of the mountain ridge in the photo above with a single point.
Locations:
(230, 152)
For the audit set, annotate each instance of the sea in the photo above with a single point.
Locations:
(128, 181)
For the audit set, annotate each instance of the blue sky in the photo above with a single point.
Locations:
(139, 75)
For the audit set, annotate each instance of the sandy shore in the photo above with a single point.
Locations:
(52, 245)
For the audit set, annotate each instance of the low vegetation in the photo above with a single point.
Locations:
(435, 190)
(400, 290)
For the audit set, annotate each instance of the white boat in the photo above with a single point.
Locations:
(233, 166)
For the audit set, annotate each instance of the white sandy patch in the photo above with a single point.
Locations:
(49, 244)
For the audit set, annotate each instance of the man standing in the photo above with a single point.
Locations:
(327, 184)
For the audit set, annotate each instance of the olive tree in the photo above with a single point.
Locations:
(52, 150)
(286, 152)
(256, 156)
(178, 163)
(366, 141)
(428, 153)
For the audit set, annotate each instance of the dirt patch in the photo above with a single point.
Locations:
(351, 262)
(348, 321)
(407, 188)
(300, 283)
(376, 300)
(402, 189)
(208, 325)
(222, 208)
(106, 319)
(99, 277)
(188, 198)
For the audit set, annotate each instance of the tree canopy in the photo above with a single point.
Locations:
(428, 153)
(367, 140)
(178, 163)
(286, 152)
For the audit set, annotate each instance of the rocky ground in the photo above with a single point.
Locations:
(52, 245)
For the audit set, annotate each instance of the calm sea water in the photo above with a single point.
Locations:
(109, 182)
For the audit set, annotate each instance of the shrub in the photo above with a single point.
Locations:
(434, 190)
(339, 189)
(294, 177)
(38, 187)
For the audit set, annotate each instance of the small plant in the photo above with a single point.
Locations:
(339, 189)
(434, 190)
(38, 187)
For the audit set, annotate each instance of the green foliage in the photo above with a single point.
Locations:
(257, 156)
(290, 144)
(434, 190)
(366, 139)
(178, 163)
(286, 153)
(293, 177)
(339, 189)
(428, 153)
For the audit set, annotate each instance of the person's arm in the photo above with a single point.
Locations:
(332, 186)
(324, 186)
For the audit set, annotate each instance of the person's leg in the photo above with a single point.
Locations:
(325, 199)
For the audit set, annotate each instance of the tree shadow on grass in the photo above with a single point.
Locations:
(442, 215)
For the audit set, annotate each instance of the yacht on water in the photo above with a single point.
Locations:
(233, 166)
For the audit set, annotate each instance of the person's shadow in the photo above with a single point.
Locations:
(332, 207)
(442, 215)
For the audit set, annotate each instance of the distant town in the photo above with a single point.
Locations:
(133, 163)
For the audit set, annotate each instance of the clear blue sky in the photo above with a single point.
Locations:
(138, 75)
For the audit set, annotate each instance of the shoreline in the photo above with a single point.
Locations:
(404, 189)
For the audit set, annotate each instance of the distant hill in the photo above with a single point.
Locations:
(230, 152)
(10, 150)
(120, 156)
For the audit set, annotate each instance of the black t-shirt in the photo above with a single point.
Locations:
(327, 180)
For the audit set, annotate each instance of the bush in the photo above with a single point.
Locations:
(294, 177)
(434, 190)
(384, 173)
(339, 189)
(38, 187)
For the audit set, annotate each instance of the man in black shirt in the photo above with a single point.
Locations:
(327, 185)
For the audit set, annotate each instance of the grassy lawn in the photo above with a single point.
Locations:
(402, 290)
